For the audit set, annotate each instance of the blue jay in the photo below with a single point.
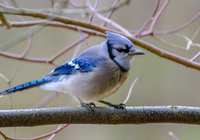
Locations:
(93, 75)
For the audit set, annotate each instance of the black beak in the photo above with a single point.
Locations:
(137, 52)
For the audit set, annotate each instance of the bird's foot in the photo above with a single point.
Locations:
(89, 106)
(119, 106)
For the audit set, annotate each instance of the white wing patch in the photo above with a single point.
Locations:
(71, 63)
(76, 66)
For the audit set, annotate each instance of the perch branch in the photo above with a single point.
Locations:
(101, 115)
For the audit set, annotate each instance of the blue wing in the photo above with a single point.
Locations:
(69, 67)
(72, 66)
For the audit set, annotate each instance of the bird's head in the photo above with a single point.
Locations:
(121, 50)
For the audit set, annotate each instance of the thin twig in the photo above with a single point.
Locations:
(68, 11)
(110, 21)
(179, 28)
(55, 24)
(135, 41)
(5, 22)
(55, 56)
(130, 90)
(95, 6)
(149, 20)
(44, 101)
(52, 136)
(155, 19)
(172, 135)
(30, 29)
(83, 36)
(111, 12)
(170, 44)
(195, 34)
(4, 77)
(189, 42)
(77, 50)
(195, 57)
(38, 137)
(76, 5)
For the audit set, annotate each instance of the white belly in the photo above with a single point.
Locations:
(88, 86)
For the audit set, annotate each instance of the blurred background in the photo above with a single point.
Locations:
(161, 81)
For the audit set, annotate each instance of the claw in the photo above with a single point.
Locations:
(120, 106)
(89, 106)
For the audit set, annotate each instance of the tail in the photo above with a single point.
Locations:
(28, 85)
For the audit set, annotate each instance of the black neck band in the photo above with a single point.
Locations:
(112, 57)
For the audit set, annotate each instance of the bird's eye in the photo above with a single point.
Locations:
(120, 50)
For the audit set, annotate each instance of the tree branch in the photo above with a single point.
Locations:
(141, 43)
(5, 22)
(101, 115)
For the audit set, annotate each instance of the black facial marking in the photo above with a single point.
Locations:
(112, 56)
(110, 51)
(127, 48)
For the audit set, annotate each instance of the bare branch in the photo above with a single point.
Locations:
(155, 19)
(95, 6)
(149, 20)
(109, 21)
(72, 11)
(5, 22)
(101, 115)
(179, 28)
(52, 133)
(54, 24)
(136, 41)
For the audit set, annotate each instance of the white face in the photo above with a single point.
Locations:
(122, 56)
(123, 51)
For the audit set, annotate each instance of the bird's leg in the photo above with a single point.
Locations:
(120, 106)
(89, 106)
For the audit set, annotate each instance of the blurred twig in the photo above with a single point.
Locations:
(38, 137)
(130, 90)
(68, 11)
(195, 57)
(179, 28)
(5, 22)
(173, 136)
(156, 17)
(135, 41)
(44, 101)
(149, 20)
(29, 33)
(109, 21)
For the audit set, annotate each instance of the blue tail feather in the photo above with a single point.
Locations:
(28, 85)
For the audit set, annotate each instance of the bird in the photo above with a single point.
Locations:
(93, 75)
